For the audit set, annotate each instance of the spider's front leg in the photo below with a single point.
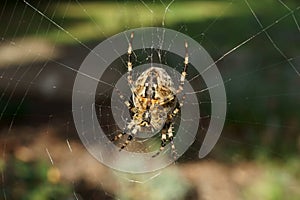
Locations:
(129, 62)
(183, 73)
(129, 104)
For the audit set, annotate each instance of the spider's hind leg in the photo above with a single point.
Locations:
(171, 139)
(130, 137)
(120, 135)
(167, 134)
(129, 62)
(163, 142)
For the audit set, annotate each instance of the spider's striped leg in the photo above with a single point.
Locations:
(128, 103)
(171, 139)
(130, 137)
(120, 135)
(163, 140)
(183, 73)
(167, 131)
(181, 101)
(117, 137)
(129, 62)
(130, 107)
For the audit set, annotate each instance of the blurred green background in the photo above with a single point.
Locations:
(257, 156)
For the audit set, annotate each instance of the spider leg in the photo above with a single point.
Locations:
(121, 134)
(129, 138)
(167, 132)
(171, 139)
(128, 103)
(163, 140)
(129, 62)
(183, 73)
(117, 137)
(178, 106)
(130, 107)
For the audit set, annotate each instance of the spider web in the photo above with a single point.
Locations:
(43, 45)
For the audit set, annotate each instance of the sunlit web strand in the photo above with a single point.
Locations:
(3, 189)
(49, 155)
(11, 17)
(211, 87)
(213, 22)
(13, 91)
(67, 32)
(75, 195)
(61, 28)
(165, 13)
(100, 29)
(91, 18)
(5, 107)
(246, 41)
(270, 38)
(22, 100)
(294, 17)
(3, 8)
(247, 122)
(64, 65)
(12, 43)
(19, 23)
(31, 82)
(151, 11)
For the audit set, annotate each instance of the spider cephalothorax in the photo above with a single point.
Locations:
(153, 105)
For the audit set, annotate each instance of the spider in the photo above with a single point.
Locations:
(153, 104)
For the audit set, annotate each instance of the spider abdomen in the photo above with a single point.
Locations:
(153, 97)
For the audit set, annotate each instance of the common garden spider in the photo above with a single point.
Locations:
(154, 104)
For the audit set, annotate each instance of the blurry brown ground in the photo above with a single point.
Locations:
(209, 179)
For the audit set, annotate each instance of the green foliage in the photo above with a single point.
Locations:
(278, 182)
(30, 181)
